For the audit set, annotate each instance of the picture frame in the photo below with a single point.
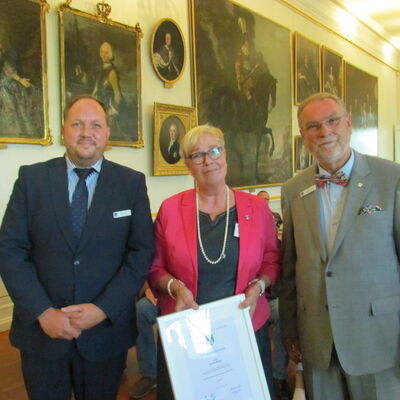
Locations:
(332, 72)
(171, 123)
(212, 352)
(168, 51)
(101, 57)
(243, 85)
(361, 98)
(23, 73)
(307, 67)
(302, 157)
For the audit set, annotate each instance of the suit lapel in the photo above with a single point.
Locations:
(59, 193)
(360, 184)
(190, 225)
(311, 207)
(101, 199)
(245, 218)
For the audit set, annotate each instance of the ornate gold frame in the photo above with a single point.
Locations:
(324, 52)
(311, 43)
(131, 35)
(168, 83)
(45, 139)
(165, 115)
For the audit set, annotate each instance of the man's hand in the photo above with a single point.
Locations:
(84, 316)
(56, 325)
(292, 347)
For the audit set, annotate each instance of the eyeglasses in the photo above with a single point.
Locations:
(315, 126)
(214, 154)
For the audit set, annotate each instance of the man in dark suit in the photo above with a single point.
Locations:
(73, 279)
(173, 155)
(340, 283)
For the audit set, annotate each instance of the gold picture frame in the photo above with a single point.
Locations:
(168, 51)
(307, 68)
(332, 72)
(171, 123)
(23, 73)
(101, 57)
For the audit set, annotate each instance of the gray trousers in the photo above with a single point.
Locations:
(335, 384)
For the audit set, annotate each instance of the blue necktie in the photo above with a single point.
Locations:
(79, 204)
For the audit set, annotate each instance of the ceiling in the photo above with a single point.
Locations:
(383, 16)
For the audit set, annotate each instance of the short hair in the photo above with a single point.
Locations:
(191, 138)
(262, 191)
(319, 97)
(83, 97)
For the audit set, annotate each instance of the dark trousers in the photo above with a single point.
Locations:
(164, 387)
(56, 379)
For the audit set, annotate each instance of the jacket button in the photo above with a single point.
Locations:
(76, 263)
(329, 274)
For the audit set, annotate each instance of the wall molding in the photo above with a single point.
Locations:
(6, 310)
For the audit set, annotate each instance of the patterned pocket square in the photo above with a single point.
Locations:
(369, 209)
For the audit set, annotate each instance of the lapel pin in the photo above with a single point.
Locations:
(247, 217)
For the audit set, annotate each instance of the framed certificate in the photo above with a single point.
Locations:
(212, 353)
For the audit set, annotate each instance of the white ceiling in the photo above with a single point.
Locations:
(383, 16)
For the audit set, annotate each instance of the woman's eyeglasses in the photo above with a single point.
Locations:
(200, 156)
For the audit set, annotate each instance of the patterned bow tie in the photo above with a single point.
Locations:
(339, 178)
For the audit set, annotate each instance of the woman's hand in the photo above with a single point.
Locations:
(252, 294)
(184, 297)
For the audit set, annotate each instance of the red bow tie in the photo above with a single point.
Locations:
(339, 178)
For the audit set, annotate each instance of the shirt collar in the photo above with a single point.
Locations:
(346, 169)
(96, 166)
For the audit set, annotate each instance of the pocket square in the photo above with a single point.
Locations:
(369, 209)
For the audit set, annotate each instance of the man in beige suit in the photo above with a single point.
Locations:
(340, 288)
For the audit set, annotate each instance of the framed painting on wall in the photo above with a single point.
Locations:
(332, 72)
(101, 57)
(168, 53)
(307, 68)
(171, 123)
(23, 72)
(242, 85)
(361, 97)
(302, 157)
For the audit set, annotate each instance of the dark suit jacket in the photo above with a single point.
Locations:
(41, 267)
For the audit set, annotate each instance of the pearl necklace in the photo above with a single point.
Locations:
(222, 255)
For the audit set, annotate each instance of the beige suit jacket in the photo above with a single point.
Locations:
(352, 298)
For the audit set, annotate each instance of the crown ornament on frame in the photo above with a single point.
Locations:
(103, 9)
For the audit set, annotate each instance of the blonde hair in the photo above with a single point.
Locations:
(191, 138)
(319, 97)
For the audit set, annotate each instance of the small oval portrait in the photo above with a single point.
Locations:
(168, 51)
(172, 131)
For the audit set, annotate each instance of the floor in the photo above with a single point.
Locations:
(11, 381)
(12, 385)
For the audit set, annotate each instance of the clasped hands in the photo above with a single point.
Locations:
(69, 322)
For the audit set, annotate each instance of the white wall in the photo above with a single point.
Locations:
(148, 13)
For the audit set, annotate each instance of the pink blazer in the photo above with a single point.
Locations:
(176, 247)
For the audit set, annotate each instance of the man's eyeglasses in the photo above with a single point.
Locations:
(315, 126)
(200, 156)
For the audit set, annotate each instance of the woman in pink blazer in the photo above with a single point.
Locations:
(213, 242)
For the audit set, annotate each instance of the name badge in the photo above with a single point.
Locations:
(307, 191)
(122, 213)
(236, 231)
